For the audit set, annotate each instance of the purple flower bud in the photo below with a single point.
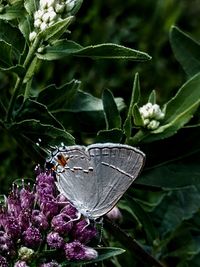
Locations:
(13, 202)
(83, 232)
(49, 207)
(3, 262)
(5, 242)
(114, 214)
(50, 264)
(27, 198)
(70, 211)
(44, 190)
(21, 264)
(32, 237)
(39, 220)
(45, 177)
(24, 219)
(12, 227)
(77, 251)
(54, 240)
(61, 224)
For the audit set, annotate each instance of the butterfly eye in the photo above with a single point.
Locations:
(62, 160)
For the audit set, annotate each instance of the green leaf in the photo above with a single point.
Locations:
(178, 110)
(6, 52)
(29, 132)
(56, 30)
(25, 26)
(31, 6)
(177, 206)
(112, 136)
(112, 51)
(112, 116)
(152, 97)
(31, 109)
(59, 97)
(135, 97)
(103, 254)
(11, 12)
(80, 110)
(186, 51)
(134, 208)
(62, 48)
(59, 49)
(172, 175)
(12, 36)
(138, 121)
(6, 62)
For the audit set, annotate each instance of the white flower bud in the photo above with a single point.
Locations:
(37, 23)
(153, 124)
(70, 5)
(144, 113)
(52, 16)
(50, 3)
(160, 116)
(43, 26)
(146, 121)
(59, 8)
(148, 105)
(32, 36)
(151, 112)
(44, 4)
(38, 14)
(40, 49)
(45, 17)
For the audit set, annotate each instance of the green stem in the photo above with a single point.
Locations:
(29, 58)
(137, 138)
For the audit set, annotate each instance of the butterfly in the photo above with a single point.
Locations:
(95, 177)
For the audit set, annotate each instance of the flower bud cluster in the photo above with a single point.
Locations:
(38, 218)
(49, 12)
(151, 115)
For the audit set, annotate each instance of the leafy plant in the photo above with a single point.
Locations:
(42, 104)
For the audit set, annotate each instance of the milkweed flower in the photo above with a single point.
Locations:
(77, 251)
(151, 115)
(50, 12)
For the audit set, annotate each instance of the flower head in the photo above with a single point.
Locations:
(39, 220)
(32, 237)
(77, 251)
(54, 240)
(151, 115)
(84, 232)
(61, 224)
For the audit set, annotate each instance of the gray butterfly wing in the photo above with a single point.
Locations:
(77, 180)
(116, 167)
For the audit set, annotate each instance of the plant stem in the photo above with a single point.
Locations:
(137, 137)
(29, 58)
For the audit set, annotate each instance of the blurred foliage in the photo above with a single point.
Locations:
(164, 214)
